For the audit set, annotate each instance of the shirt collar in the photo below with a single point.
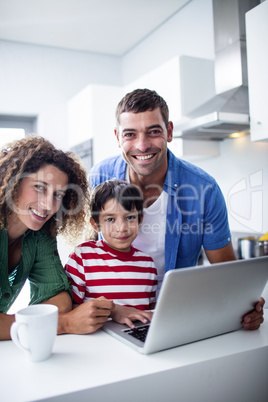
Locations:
(171, 183)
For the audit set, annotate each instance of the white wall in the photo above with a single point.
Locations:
(43, 81)
(188, 32)
(40, 81)
(155, 62)
(241, 170)
(92, 115)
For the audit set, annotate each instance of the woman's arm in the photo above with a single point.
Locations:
(85, 318)
(6, 321)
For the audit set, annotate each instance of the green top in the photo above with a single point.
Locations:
(40, 263)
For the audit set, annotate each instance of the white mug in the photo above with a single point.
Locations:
(35, 330)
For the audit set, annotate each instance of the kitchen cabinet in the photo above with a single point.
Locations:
(185, 82)
(257, 56)
(91, 115)
(192, 151)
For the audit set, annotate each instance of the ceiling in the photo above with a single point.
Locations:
(104, 26)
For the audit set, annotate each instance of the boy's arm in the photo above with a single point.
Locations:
(125, 315)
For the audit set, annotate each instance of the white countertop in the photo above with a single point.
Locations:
(98, 367)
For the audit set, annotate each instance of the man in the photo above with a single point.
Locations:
(184, 208)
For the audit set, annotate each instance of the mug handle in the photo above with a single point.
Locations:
(15, 336)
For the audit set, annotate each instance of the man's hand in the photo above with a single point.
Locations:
(86, 318)
(254, 319)
(125, 315)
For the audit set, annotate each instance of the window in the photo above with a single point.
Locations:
(16, 127)
(10, 134)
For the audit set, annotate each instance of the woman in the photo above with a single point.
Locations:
(43, 192)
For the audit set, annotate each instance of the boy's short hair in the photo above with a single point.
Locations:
(128, 195)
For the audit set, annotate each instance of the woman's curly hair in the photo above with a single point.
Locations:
(27, 156)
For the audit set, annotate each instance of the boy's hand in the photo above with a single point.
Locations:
(125, 315)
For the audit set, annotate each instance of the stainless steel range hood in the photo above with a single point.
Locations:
(228, 111)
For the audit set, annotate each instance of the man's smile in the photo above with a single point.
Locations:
(143, 157)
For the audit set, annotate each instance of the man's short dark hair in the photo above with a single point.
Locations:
(128, 195)
(141, 100)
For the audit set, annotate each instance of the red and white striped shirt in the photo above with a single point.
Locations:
(95, 269)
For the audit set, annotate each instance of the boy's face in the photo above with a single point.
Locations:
(118, 226)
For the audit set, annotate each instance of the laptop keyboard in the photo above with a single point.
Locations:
(139, 332)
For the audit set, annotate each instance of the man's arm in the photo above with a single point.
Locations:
(254, 319)
(221, 255)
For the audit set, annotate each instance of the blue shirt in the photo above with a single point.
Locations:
(196, 210)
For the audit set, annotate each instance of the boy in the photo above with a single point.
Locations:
(112, 267)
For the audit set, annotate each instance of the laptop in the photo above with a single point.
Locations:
(197, 303)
